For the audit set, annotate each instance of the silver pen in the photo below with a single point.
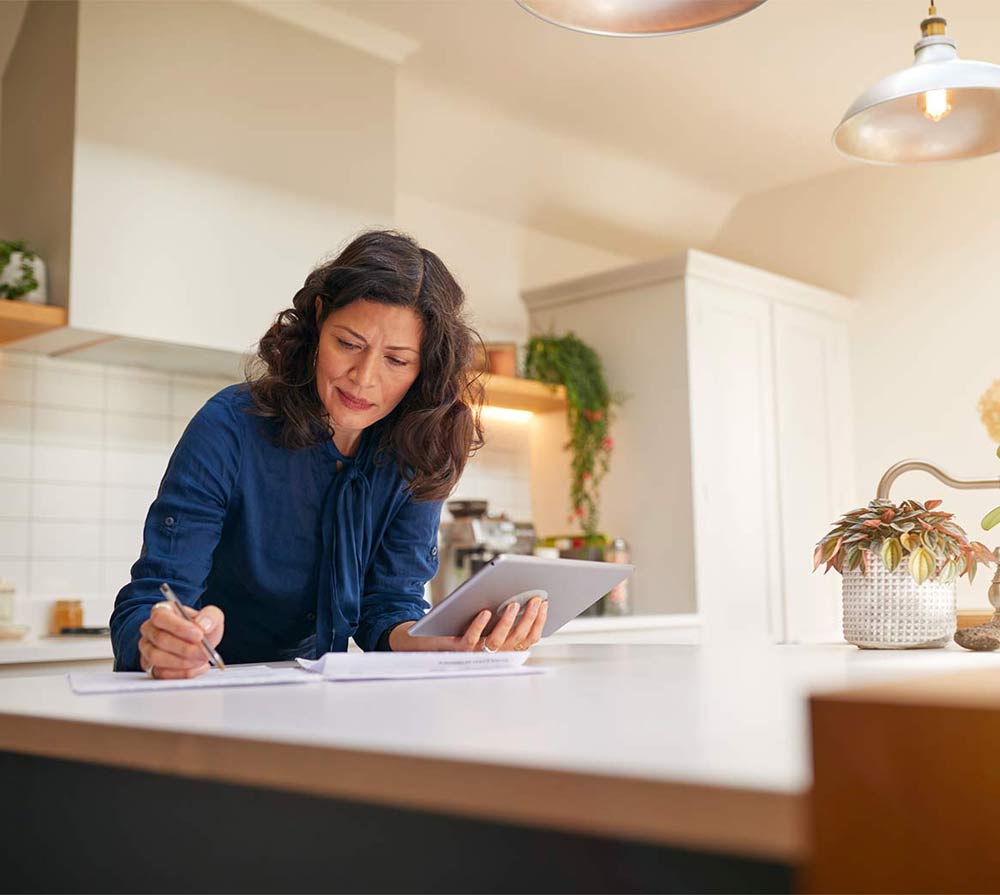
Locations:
(213, 656)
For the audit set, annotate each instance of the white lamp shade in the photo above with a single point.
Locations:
(886, 124)
(638, 18)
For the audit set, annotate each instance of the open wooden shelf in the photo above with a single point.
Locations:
(19, 319)
(524, 394)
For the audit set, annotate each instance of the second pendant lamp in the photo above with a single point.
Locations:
(941, 108)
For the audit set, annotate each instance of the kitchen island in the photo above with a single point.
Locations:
(623, 768)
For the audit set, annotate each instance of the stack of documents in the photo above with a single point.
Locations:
(401, 666)
(331, 667)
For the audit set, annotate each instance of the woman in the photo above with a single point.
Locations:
(301, 508)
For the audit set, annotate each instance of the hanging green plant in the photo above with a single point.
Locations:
(27, 283)
(566, 360)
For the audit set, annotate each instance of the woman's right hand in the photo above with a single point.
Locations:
(171, 646)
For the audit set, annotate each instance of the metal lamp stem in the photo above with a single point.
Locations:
(895, 471)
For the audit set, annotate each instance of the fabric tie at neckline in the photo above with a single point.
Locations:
(347, 532)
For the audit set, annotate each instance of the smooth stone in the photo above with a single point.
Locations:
(981, 638)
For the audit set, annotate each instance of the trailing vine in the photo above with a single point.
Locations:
(568, 361)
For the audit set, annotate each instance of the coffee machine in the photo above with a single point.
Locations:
(471, 540)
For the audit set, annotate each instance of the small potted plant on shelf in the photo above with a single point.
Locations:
(899, 564)
(22, 273)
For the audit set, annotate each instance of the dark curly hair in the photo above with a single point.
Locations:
(436, 427)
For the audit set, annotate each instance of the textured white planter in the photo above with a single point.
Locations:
(889, 610)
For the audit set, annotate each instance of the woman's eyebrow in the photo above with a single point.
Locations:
(358, 335)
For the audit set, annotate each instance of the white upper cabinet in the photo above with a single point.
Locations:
(733, 449)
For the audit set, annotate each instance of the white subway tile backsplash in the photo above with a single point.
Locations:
(122, 540)
(13, 538)
(58, 579)
(125, 467)
(56, 540)
(148, 393)
(133, 430)
(65, 501)
(188, 394)
(64, 463)
(61, 425)
(177, 427)
(16, 572)
(115, 574)
(76, 389)
(15, 460)
(17, 379)
(15, 421)
(128, 504)
(97, 610)
(15, 500)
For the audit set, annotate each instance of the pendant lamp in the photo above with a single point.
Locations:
(638, 18)
(940, 108)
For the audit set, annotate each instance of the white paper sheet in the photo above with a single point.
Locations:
(404, 666)
(136, 681)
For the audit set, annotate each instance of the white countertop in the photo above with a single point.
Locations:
(78, 648)
(69, 648)
(710, 718)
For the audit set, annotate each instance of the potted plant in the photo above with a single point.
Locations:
(899, 564)
(568, 361)
(22, 273)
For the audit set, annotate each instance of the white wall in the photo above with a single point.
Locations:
(917, 248)
(460, 152)
(494, 260)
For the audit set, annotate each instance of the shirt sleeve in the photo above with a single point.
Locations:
(183, 525)
(403, 563)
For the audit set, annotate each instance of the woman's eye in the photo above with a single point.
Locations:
(346, 344)
(396, 362)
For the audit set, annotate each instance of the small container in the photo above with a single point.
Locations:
(501, 358)
(616, 601)
(6, 602)
(66, 614)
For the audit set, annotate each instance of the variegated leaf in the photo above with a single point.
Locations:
(922, 564)
(892, 553)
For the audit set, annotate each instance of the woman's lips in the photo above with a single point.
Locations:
(353, 403)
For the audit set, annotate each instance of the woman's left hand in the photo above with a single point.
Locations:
(506, 635)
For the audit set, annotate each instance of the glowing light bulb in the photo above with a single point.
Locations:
(934, 104)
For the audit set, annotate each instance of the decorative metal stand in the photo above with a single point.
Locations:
(980, 637)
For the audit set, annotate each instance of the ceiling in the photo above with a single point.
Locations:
(741, 107)
(666, 134)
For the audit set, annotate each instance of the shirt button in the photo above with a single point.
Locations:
(434, 551)
(169, 521)
(310, 616)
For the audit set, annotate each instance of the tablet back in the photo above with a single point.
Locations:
(569, 585)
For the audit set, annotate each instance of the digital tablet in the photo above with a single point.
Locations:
(569, 586)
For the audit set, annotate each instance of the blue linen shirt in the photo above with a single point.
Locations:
(298, 555)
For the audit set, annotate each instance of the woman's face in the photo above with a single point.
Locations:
(369, 355)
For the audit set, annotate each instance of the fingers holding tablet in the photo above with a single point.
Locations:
(516, 630)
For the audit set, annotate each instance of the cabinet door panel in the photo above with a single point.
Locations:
(732, 432)
(815, 461)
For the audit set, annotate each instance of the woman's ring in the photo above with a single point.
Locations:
(149, 671)
(488, 648)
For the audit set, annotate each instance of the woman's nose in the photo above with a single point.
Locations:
(365, 369)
